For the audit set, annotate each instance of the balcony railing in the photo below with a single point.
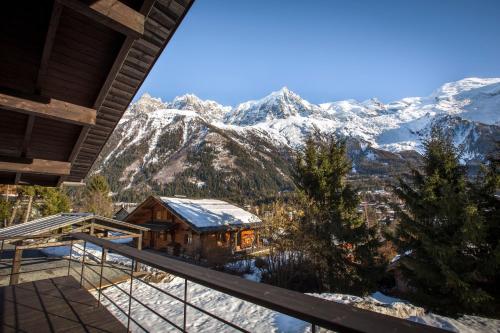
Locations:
(317, 312)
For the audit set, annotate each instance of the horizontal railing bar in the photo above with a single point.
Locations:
(34, 270)
(123, 311)
(193, 306)
(327, 314)
(161, 290)
(171, 295)
(138, 301)
(216, 317)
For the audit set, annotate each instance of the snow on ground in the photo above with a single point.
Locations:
(384, 304)
(91, 250)
(247, 315)
(256, 318)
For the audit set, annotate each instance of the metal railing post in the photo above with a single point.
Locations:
(313, 328)
(83, 262)
(185, 304)
(70, 256)
(130, 294)
(100, 278)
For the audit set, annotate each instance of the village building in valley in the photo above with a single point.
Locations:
(196, 228)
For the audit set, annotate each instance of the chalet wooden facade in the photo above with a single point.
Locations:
(196, 228)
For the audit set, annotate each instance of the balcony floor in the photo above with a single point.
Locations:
(53, 305)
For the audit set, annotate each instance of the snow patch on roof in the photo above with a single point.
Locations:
(210, 213)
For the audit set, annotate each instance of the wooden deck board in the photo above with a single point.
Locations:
(53, 305)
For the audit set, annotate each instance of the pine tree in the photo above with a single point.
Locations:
(441, 231)
(488, 250)
(340, 244)
(96, 197)
(52, 201)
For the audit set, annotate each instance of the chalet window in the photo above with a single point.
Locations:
(158, 215)
(188, 239)
(221, 237)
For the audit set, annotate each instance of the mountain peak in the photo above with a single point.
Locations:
(146, 97)
(187, 97)
(191, 102)
(284, 90)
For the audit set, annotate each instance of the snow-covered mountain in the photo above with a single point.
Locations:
(159, 145)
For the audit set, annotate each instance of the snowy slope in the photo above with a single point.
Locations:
(156, 141)
(284, 117)
(395, 126)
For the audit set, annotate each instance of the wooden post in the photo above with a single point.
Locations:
(105, 251)
(139, 247)
(16, 266)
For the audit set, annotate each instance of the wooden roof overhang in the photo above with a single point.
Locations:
(68, 71)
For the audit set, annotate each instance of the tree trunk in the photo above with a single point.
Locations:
(14, 210)
(27, 213)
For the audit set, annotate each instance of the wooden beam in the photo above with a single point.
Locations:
(68, 242)
(121, 237)
(47, 48)
(26, 143)
(50, 108)
(37, 166)
(16, 266)
(27, 136)
(112, 13)
(120, 58)
(76, 149)
(48, 244)
(105, 227)
(139, 247)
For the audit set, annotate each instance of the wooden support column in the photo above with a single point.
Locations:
(139, 247)
(105, 251)
(16, 266)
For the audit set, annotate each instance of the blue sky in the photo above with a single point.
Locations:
(236, 50)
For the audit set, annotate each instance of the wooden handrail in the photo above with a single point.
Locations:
(317, 311)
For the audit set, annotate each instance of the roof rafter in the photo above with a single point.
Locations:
(23, 165)
(49, 43)
(49, 108)
(112, 13)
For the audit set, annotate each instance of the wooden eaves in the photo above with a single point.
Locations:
(68, 71)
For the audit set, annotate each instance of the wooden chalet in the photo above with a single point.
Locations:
(68, 71)
(196, 228)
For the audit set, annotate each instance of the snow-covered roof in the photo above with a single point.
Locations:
(205, 214)
(43, 225)
(54, 222)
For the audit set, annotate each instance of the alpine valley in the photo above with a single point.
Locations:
(201, 148)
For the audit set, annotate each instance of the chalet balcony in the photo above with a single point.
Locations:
(65, 302)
